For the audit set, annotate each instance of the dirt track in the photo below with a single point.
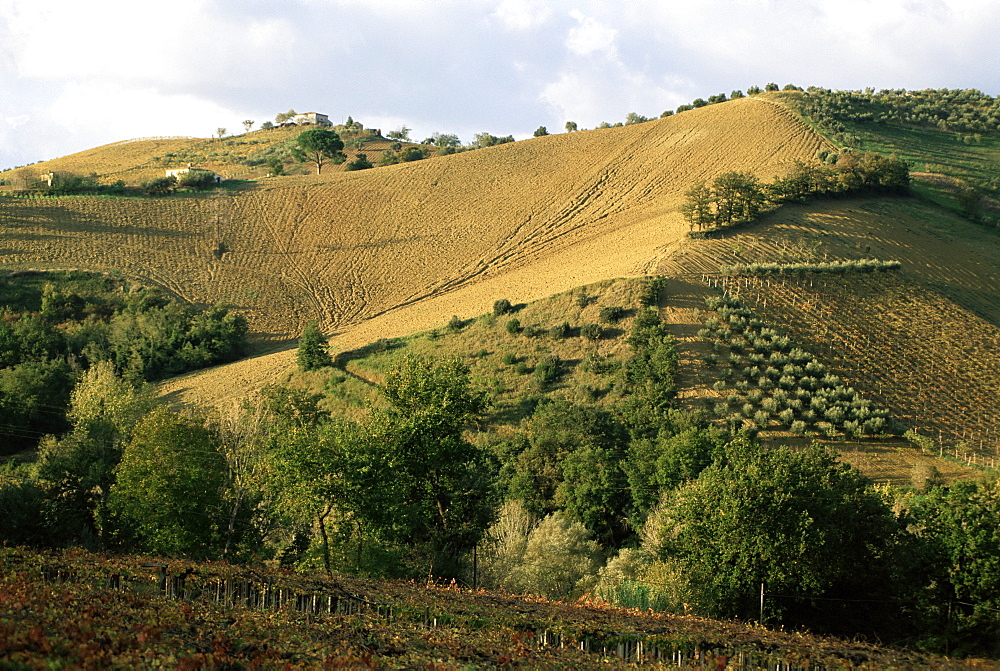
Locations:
(398, 249)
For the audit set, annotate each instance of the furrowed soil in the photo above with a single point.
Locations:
(402, 248)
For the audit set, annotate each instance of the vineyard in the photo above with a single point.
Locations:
(931, 362)
(86, 611)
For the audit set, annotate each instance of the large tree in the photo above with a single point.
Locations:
(168, 493)
(812, 531)
(319, 146)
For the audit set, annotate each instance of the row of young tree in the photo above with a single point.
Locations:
(740, 197)
(54, 329)
(968, 111)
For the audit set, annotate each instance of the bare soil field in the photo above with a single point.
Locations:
(531, 218)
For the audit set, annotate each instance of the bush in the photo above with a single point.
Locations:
(591, 331)
(548, 370)
(612, 314)
(159, 186)
(514, 326)
(455, 324)
(502, 307)
(509, 358)
(560, 331)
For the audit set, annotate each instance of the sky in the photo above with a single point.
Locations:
(75, 75)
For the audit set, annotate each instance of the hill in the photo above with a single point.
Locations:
(239, 157)
(330, 248)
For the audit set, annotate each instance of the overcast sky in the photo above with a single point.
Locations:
(75, 74)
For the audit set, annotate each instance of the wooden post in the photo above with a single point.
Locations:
(761, 602)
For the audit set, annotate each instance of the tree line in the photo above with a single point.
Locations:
(740, 197)
(56, 326)
(639, 502)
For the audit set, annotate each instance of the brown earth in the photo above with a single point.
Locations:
(422, 240)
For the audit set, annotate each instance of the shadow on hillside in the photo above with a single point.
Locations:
(62, 219)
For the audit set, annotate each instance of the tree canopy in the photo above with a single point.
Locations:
(319, 146)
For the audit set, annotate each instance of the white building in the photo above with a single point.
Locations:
(177, 172)
(311, 118)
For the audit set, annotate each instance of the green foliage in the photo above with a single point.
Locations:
(319, 145)
(591, 331)
(198, 180)
(513, 326)
(560, 560)
(502, 306)
(561, 331)
(650, 296)
(612, 314)
(802, 524)
(412, 153)
(958, 527)
(571, 127)
(312, 353)
(361, 162)
(167, 496)
(159, 186)
(541, 131)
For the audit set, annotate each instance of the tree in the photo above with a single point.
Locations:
(267, 125)
(361, 162)
(738, 197)
(319, 145)
(571, 127)
(412, 153)
(312, 353)
(159, 186)
(560, 560)
(801, 523)
(248, 124)
(540, 131)
(402, 134)
(431, 494)
(220, 131)
(282, 117)
(167, 496)
(958, 527)
(634, 118)
(697, 209)
(276, 166)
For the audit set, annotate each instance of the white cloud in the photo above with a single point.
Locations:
(521, 14)
(590, 37)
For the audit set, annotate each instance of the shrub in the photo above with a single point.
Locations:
(651, 293)
(548, 370)
(533, 331)
(612, 314)
(502, 307)
(591, 331)
(514, 326)
(455, 324)
(582, 300)
(159, 186)
(509, 358)
(560, 331)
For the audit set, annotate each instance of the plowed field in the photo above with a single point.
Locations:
(529, 218)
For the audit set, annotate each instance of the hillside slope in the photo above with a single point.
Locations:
(344, 247)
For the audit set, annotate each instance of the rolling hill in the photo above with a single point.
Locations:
(344, 247)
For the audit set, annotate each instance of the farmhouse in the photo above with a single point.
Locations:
(311, 118)
(177, 172)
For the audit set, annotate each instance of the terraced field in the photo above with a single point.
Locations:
(544, 214)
